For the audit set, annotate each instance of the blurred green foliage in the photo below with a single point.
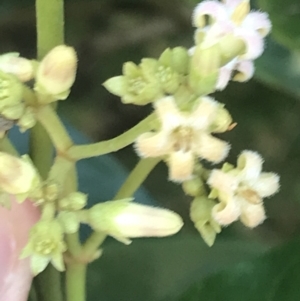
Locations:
(107, 33)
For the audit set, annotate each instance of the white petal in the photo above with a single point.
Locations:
(231, 4)
(258, 21)
(168, 113)
(181, 166)
(253, 40)
(226, 213)
(222, 181)
(250, 165)
(267, 184)
(210, 148)
(204, 114)
(224, 76)
(152, 145)
(252, 215)
(246, 71)
(214, 9)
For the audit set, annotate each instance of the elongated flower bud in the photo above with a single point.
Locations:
(57, 71)
(122, 220)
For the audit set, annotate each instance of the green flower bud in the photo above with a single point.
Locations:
(123, 220)
(200, 213)
(45, 245)
(13, 112)
(193, 187)
(11, 91)
(138, 85)
(180, 60)
(222, 121)
(204, 70)
(51, 192)
(73, 202)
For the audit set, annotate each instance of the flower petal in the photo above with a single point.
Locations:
(267, 184)
(252, 215)
(246, 71)
(222, 181)
(258, 21)
(152, 145)
(225, 75)
(211, 148)
(181, 166)
(213, 9)
(227, 212)
(204, 114)
(168, 113)
(250, 165)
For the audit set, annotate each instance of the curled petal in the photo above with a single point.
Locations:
(250, 164)
(225, 75)
(204, 114)
(211, 148)
(181, 166)
(226, 213)
(222, 181)
(152, 145)
(252, 215)
(168, 113)
(213, 9)
(232, 3)
(267, 184)
(254, 43)
(258, 21)
(246, 71)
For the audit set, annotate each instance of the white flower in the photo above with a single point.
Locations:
(241, 191)
(183, 137)
(232, 17)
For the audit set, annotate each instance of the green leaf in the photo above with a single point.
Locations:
(272, 277)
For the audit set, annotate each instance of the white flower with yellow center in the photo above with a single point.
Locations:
(183, 137)
(241, 191)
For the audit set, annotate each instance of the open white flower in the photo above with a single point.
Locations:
(183, 137)
(241, 191)
(232, 17)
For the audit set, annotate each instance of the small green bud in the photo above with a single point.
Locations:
(51, 192)
(222, 121)
(13, 112)
(204, 70)
(45, 244)
(200, 213)
(73, 202)
(138, 85)
(11, 91)
(180, 60)
(193, 187)
(123, 220)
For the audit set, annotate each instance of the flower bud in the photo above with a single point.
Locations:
(201, 215)
(123, 220)
(17, 175)
(73, 202)
(22, 68)
(193, 187)
(27, 120)
(56, 72)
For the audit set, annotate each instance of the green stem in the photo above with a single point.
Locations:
(55, 128)
(78, 152)
(132, 183)
(75, 282)
(50, 33)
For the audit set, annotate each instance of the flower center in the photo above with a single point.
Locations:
(250, 196)
(45, 246)
(136, 85)
(183, 139)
